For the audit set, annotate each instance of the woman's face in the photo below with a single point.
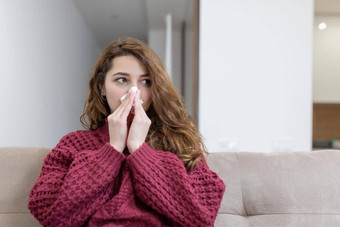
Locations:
(126, 72)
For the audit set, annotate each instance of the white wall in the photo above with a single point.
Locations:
(46, 56)
(189, 60)
(255, 75)
(156, 40)
(326, 79)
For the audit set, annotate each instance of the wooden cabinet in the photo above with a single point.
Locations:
(326, 122)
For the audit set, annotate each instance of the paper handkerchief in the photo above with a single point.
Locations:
(134, 89)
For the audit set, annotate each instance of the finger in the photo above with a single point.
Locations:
(138, 105)
(141, 108)
(126, 104)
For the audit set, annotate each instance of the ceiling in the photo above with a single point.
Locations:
(111, 19)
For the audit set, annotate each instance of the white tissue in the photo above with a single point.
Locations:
(133, 89)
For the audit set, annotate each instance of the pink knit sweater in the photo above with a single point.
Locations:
(85, 181)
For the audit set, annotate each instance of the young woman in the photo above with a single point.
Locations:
(141, 161)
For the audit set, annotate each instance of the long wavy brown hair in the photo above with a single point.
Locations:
(170, 130)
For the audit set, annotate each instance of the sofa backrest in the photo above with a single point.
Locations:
(279, 189)
(19, 169)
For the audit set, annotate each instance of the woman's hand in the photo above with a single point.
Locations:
(118, 129)
(140, 126)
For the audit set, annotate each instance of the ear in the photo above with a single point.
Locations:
(102, 90)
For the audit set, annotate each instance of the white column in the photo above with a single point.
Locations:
(168, 44)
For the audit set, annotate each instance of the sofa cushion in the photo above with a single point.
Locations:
(278, 220)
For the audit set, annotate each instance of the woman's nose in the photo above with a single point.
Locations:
(134, 84)
(134, 88)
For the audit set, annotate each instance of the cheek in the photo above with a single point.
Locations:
(145, 95)
(113, 98)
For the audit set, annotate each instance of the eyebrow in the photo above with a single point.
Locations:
(127, 74)
(120, 73)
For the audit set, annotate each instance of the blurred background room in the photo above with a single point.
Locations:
(254, 75)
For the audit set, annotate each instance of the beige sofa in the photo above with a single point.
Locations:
(262, 189)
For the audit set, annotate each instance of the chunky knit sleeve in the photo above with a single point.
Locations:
(72, 185)
(162, 182)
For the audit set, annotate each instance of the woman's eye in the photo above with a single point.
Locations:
(146, 82)
(121, 80)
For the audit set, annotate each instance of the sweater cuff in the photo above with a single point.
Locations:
(109, 154)
(145, 157)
